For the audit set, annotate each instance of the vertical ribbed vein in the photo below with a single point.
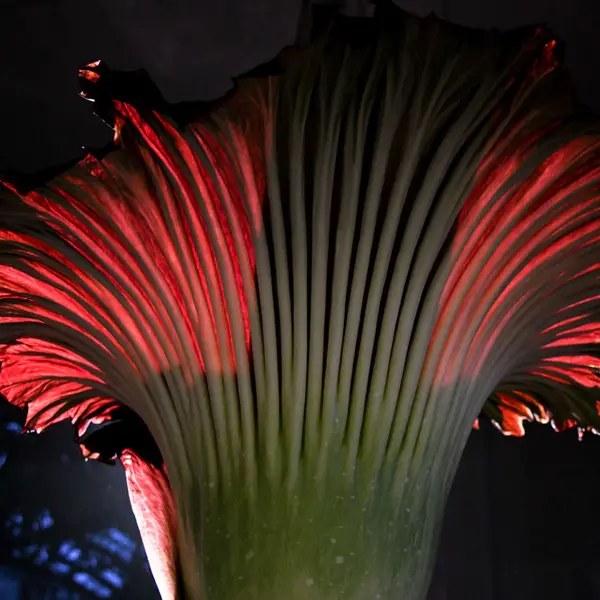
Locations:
(330, 117)
(297, 202)
(350, 376)
(353, 154)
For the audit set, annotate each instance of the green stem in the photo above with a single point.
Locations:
(327, 540)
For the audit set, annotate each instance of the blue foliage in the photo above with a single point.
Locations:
(41, 556)
(69, 551)
(13, 427)
(92, 584)
(59, 568)
(94, 563)
(114, 577)
(116, 542)
(44, 519)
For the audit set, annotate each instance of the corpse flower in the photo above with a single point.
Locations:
(284, 317)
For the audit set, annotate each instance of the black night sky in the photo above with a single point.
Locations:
(521, 523)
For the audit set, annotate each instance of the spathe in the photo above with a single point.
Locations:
(309, 293)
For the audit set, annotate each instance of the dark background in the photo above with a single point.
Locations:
(522, 517)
